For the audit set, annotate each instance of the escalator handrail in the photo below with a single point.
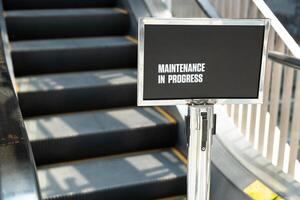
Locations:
(284, 59)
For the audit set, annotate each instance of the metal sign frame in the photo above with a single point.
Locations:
(199, 21)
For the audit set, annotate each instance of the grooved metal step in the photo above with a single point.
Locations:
(62, 23)
(75, 136)
(76, 54)
(145, 175)
(76, 78)
(71, 92)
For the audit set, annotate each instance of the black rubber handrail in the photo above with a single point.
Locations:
(284, 59)
(18, 178)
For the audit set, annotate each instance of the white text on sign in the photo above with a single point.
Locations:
(180, 73)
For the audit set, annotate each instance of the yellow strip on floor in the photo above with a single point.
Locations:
(259, 191)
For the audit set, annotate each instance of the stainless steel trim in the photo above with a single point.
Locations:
(6, 47)
(199, 159)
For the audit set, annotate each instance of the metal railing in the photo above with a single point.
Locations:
(273, 127)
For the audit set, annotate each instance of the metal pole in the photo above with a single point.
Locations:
(199, 155)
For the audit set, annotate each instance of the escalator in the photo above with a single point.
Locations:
(75, 66)
(75, 63)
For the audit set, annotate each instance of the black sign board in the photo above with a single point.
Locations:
(181, 60)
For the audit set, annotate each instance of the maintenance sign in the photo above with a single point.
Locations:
(181, 60)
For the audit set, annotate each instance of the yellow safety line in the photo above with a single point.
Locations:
(121, 10)
(132, 39)
(173, 121)
(180, 155)
(165, 114)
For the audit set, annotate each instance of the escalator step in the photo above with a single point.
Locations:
(75, 136)
(45, 4)
(76, 54)
(71, 92)
(61, 23)
(146, 175)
